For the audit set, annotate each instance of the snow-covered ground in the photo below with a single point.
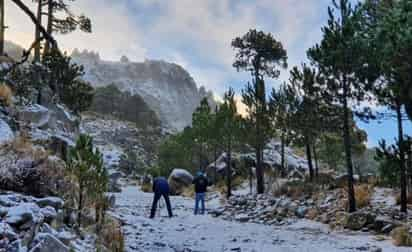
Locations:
(186, 232)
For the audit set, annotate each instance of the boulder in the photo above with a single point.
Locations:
(178, 180)
(49, 213)
(48, 243)
(301, 211)
(6, 231)
(358, 220)
(6, 134)
(24, 215)
(35, 114)
(62, 119)
(55, 202)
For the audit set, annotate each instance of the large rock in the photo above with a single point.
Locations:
(24, 214)
(35, 115)
(179, 179)
(55, 202)
(6, 134)
(358, 220)
(48, 243)
(6, 231)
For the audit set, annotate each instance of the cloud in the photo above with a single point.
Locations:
(114, 30)
(195, 34)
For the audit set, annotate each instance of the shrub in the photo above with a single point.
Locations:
(401, 236)
(5, 95)
(363, 194)
(296, 189)
(111, 235)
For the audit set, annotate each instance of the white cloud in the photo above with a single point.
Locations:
(195, 34)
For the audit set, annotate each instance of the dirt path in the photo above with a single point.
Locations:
(187, 232)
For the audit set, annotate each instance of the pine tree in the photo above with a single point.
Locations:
(339, 57)
(86, 167)
(388, 26)
(229, 120)
(282, 105)
(201, 124)
(261, 55)
(60, 19)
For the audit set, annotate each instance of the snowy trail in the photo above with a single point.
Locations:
(186, 232)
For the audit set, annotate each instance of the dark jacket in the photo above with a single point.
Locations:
(161, 186)
(201, 184)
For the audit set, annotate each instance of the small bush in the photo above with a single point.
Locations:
(296, 189)
(401, 236)
(146, 187)
(111, 235)
(5, 95)
(363, 194)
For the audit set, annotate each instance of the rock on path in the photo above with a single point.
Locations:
(186, 232)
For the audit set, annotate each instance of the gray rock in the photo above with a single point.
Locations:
(48, 243)
(25, 213)
(301, 211)
(49, 213)
(36, 115)
(7, 231)
(55, 202)
(6, 134)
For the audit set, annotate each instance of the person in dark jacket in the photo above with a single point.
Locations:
(201, 183)
(160, 188)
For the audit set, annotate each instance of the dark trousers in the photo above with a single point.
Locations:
(156, 199)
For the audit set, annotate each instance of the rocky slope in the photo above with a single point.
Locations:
(167, 88)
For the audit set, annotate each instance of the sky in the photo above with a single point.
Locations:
(194, 34)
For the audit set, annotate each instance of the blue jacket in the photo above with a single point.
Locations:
(161, 186)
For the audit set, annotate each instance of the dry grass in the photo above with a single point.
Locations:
(296, 189)
(146, 187)
(111, 235)
(221, 187)
(363, 195)
(312, 214)
(5, 95)
(188, 192)
(401, 236)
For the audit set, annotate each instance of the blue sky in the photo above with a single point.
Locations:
(196, 35)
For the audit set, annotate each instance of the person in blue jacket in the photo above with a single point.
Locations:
(160, 188)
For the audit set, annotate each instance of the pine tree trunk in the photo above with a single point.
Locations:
(348, 152)
(315, 157)
(37, 32)
(49, 24)
(80, 206)
(229, 170)
(251, 179)
(215, 169)
(282, 155)
(410, 166)
(33, 18)
(2, 27)
(404, 206)
(259, 88)
(309, 157)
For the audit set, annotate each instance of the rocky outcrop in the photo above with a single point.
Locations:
(24, 225)
(296, 165)
(6, 134)
(166, 88)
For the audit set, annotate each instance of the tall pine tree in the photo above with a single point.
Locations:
(262, 55)
(339, 57)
